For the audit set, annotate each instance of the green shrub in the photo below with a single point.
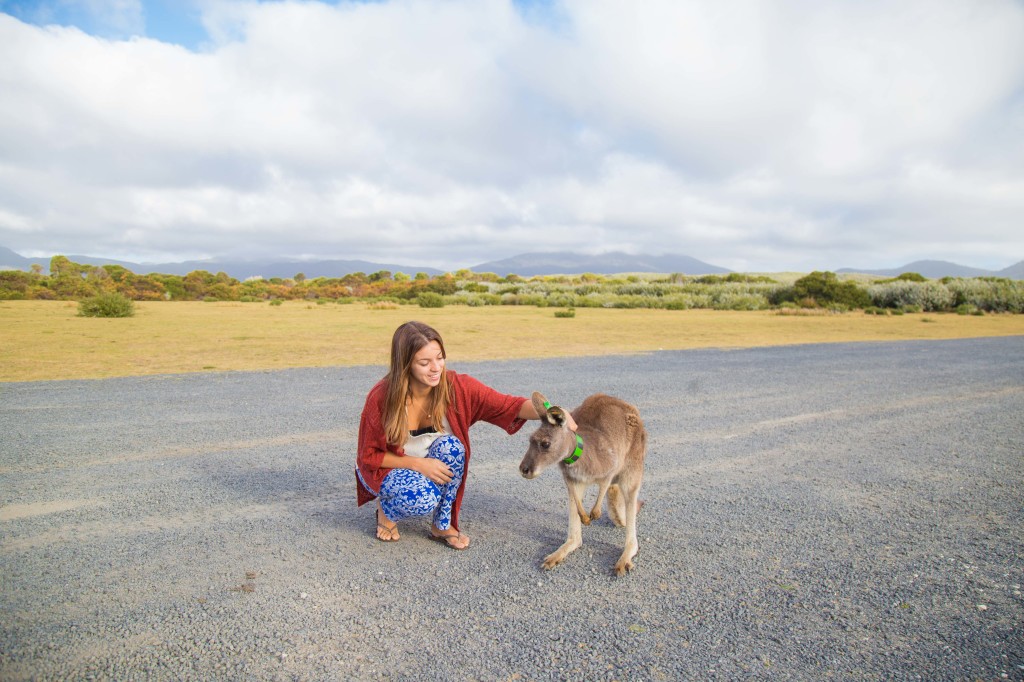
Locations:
(106, 305)
(277, 301)
(931, 296)
(568, 312)
(906, 277)
(678, 302)
(729, 300)
(824, 288)
(473, 300)
(430, 299)
(991, 294)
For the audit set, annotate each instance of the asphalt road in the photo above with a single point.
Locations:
(847, 511)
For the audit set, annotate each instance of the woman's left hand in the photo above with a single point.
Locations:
(434, 469)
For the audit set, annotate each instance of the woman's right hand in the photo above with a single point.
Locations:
(434, 469)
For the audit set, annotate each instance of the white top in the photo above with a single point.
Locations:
(417, 446)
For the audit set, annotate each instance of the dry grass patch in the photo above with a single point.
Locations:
(41, 340)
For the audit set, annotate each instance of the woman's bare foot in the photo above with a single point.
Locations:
(450, 537)
(387, 531)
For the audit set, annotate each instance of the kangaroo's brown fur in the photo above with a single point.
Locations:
(614, 447)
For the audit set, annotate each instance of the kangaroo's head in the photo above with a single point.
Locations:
(550, 443)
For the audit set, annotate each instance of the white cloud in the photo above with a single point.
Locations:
(784, 135)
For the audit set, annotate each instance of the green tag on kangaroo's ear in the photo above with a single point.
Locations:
(547, 405)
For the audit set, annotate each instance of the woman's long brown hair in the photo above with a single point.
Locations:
(408, 340)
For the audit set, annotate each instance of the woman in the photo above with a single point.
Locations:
(414, 448)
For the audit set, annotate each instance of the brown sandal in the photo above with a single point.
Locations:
(450, 538)
(384, 533)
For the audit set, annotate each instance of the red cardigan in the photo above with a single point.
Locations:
(472, 401)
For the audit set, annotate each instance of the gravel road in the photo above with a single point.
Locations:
(850, 511)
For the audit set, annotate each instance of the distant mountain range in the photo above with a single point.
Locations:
(568, 263)
(936, 269)
(525, 265)
(240, 270)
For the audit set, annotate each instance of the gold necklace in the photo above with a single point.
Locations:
(420, 408)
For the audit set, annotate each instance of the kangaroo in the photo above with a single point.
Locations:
(608, 450)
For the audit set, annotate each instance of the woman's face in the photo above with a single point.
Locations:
(427, 365)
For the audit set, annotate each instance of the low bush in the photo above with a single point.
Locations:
(738, 301)
(476, 300)
(906, 277)
(930, 296)
(991, 294)
(430, 299)
(823, 288)
(106, 305)
(568, 312)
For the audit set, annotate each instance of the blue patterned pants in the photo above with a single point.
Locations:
(405, 493)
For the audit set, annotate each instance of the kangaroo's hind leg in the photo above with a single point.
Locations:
(631, 493)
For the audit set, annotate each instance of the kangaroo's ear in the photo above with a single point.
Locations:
(552, 415)
(556, 416)
(538, 401)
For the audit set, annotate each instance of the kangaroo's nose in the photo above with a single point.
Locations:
(524, 470)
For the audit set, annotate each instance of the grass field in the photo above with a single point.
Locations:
(46, 340)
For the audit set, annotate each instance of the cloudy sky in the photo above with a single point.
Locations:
(756, 135)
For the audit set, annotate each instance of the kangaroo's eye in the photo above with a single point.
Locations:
(545, 444)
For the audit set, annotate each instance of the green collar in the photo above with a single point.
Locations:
(575, 453)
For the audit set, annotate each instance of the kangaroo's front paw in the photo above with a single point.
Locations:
(585, 519)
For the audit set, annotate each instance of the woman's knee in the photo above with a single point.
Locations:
(447, 446)
(449, 450)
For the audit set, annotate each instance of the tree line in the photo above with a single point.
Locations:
(910, 292)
